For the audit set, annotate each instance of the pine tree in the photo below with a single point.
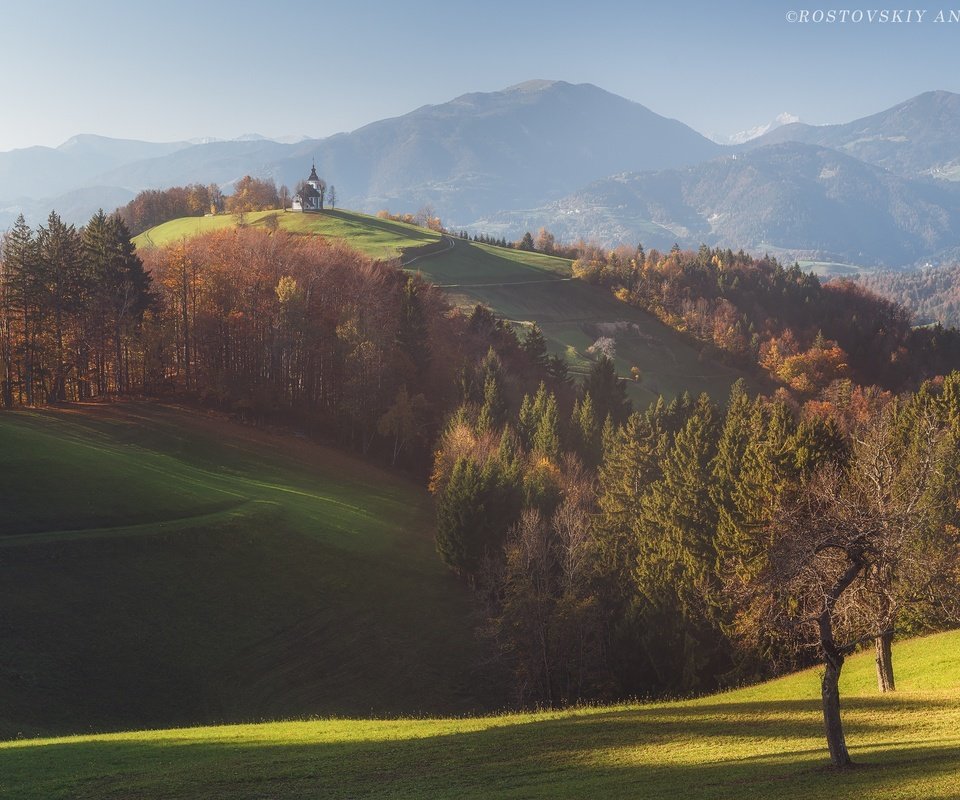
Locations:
(460, 519)
(676, 557)
(531, 412)
(586, 432)
(23, 310)
(493, 410)
(609, 393)
(61, 270)
(535, 347)
(546, 438)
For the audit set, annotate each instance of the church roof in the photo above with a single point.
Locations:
(308, 191)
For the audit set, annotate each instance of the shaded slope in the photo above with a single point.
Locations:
(243, 576)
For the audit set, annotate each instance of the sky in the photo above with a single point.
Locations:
(175, 70)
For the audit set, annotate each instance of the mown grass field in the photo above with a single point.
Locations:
(160, 567)
(522, 287)
(761, 742)
(375, 237)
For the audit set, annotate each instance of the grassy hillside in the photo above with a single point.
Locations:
(531, 287)
(522, 287)
(761, 742)
(158, 567)
(378, 238)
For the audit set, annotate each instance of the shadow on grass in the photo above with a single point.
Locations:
(386, 226)
(715, 751)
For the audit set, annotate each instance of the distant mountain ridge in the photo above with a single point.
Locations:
(792, 199)
(918, 137)
(578, 159)
(478, 153)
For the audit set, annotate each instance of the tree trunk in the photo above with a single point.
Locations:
(833, 726)
(833, 657)
(884, 653)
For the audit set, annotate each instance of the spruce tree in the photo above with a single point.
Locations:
(676, 558)
(460, 519)
(493, 410)
(62, 274)
(531, 412)
(546, 437)
(23, 309)
(586, 432)
(535, 347)
(609, 393)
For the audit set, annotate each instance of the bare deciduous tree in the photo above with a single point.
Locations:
(854, 547)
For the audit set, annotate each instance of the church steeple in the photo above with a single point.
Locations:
(314, 178)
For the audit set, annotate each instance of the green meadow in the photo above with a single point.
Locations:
(161, 567)
(761, 742)
(377, 238)
(520, 286)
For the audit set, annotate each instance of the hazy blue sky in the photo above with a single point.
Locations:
(173, 70)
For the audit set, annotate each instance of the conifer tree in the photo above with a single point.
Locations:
(62, 275)
(460, 519)
(23, 309)
(609, 393)
(586, 432)
(546, 437)
(535, 347)
(493, 410)
(676, 557)
(531, 412)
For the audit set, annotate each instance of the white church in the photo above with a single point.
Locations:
(310, 198)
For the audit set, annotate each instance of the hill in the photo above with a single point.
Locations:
(531, 287)
(375, 237)
(159, 567)
(523, 287)
(931, 295)
(915, 138)
(751, 743)
(792, 200)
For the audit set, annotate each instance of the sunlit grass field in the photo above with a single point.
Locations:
(520, 286)
(375, 237)
(161, 567)
(761, 742)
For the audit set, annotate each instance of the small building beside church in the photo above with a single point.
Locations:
(310, 197)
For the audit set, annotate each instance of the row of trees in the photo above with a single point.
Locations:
(155, 206)
(756, 313)
(71, 307)
(691, 546)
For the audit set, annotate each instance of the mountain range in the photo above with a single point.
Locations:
(792, 200)
(580, 160)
